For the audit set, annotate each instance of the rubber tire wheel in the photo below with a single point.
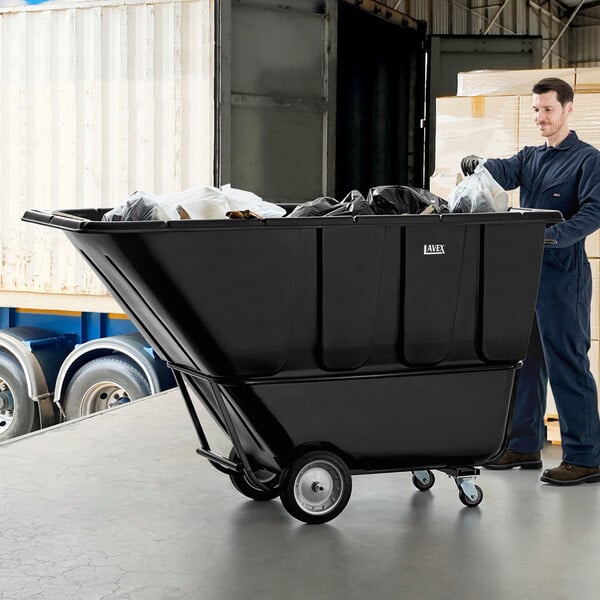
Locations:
(296, 482)
(243, 485)
(108, 369)
(25, 413)
(467, 501)
(420, 485)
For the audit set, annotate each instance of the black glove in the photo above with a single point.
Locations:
(468, 164)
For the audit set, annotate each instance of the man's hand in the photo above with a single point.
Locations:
(468, 164)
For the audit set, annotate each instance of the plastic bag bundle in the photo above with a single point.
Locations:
(402, 199)
(478, 193)
(201, 202)
(142, 207)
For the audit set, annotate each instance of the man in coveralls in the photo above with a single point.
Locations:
(562, 174)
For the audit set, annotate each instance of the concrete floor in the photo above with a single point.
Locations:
(118, 506)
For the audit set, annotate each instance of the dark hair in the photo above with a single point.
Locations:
(564, 92)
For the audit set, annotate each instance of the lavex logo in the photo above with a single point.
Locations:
(434, 249)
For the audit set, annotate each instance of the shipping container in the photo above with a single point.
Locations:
(97, 100)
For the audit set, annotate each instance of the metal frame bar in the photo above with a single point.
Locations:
(456, 472)
(495, 17)
(222, 92)
(386, 12)
(566, 26)
(219, 462)
(230, 467)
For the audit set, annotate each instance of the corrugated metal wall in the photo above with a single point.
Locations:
(585, 38)
(96, 101)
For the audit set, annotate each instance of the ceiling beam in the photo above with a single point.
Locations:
(566, 26)
(495, 18)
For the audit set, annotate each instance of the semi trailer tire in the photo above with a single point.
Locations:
(18, 412)
(103, 383)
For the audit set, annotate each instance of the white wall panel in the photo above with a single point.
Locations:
(97, 100)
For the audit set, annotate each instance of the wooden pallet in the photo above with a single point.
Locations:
(552, 429)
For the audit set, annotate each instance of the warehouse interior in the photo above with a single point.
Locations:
(568, 29)
(118, 504)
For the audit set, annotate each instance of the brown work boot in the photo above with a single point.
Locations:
(512, 459)
(568, 474)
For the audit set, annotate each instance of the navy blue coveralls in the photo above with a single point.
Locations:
(564, 178)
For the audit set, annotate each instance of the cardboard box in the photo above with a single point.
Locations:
(587, 79)
(592, 245)
(520, 82)
(508, 82)
(552, 430)
(584, 119)
(481, 126)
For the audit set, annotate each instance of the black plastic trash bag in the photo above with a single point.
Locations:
(402, 199)
(353, 204)
(318, 207)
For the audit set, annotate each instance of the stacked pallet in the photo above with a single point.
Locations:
(492, 117)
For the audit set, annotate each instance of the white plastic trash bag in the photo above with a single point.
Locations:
(478, 193)
(203, 202)
(242, 200)
(141, 206)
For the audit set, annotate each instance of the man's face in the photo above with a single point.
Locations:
(550, 115)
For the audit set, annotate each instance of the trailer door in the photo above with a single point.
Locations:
(380, 97)
(318, 97)
(275, 105)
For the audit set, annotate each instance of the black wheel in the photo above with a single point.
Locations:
(316, 488)
(102, 383)
(18, 412)
(243, 485)
(471, 501)
(425, 481)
